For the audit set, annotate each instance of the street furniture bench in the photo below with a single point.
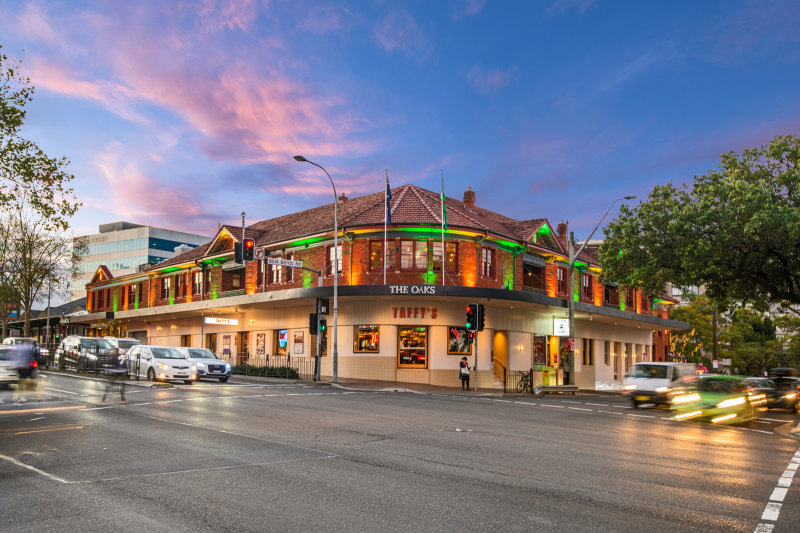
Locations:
(541, 389)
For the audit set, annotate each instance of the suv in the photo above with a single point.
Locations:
(160, 363)
(122, 344)
(85, 353)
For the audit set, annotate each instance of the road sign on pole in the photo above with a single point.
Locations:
(259, 253)
(284, 262)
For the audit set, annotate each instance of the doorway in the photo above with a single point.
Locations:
(500, 354)
(242, 348)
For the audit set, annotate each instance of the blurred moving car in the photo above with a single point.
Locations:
(781, 392)
(657, 382)
(208, 364)
(719, 399)
(85, 353)
(8, 367)
(160, 363)
(122, 344)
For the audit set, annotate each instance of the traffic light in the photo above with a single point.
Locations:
(323, 325)
(312, 324)
(237, 252)
(472, 311)
(481, 317)
(249, 249)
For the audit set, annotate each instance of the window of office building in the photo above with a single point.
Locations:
(413, 347)
(366, 339)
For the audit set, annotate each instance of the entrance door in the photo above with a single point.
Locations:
(211, 342)
(500, 352)
(242, 348)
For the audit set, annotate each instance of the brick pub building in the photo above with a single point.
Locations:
(410, 328)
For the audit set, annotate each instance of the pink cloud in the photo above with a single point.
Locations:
(399, 31)
(468, 9)
(492, 80)
(33, 22)
(551, 182)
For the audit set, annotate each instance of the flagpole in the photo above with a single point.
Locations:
(444, 252)
(385, 223)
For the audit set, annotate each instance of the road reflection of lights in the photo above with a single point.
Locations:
(723, 418)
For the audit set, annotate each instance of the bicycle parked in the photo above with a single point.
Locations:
(524, 383)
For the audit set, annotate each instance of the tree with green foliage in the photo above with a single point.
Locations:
(24, 167)
(735, 231)
(696, 342)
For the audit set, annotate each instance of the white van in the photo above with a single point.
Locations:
(655, 383)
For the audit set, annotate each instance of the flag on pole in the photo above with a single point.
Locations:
(388, 202)
(444, 211)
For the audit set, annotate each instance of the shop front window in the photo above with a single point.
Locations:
(366, 339)
(413, 347)
(281, 342)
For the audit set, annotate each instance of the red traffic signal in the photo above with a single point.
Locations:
(471, 321)
(248, 249)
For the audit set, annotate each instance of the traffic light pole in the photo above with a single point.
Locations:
(319, 361)
(475, 362)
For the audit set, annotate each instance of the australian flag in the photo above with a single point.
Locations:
(388, 203)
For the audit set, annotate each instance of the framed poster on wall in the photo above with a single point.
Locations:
(539, 351)
(261, 343)
(226, 345)
(458, 341)
(298, 342)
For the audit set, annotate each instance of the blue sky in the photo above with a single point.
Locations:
(182, 114)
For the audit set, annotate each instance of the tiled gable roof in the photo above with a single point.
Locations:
(409, 205)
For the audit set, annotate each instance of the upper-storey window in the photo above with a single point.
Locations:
(414, 255)
(179, 286)
(630, 300)
(586, 287)
(275, 274)
(561, 280)
(450, 256)
(101, 295)
(131, 294)
(376, 255)
(165, 283)
(289, 270)
(334, 258)
(197, 282)
(207, 280)
(487, 262)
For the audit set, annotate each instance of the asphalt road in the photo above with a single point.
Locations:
(256, 455)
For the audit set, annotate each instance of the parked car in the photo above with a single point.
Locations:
(657, 382)
(719, 399)
(8, 367)
(122, 344)
(85, 353)
(160, 363)
(207, 363)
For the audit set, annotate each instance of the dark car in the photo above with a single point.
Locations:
(85, 353)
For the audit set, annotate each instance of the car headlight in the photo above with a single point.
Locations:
(686, 398)
(200, 365)
(732, 402)
(227, 366)
(163, 366)
(629, 387)
(662, 389)
(194, 368)
(790, 396)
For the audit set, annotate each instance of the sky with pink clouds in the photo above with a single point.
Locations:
(181, 114)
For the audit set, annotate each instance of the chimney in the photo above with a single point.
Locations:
(561, 233)
(342, 198)
(469, 198)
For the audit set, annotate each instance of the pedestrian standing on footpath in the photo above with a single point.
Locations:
(463, 373)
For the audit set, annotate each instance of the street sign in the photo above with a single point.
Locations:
(259, 253)
(284, 262)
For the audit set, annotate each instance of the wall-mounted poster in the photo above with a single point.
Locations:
(298, 342)
(458, 341)
(261, 343)
(226, 345)
(539, 351)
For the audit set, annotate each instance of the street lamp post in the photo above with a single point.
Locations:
(573, 255)
(335, 268)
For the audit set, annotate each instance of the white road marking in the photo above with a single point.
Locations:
(64, 391)
(503, 401)
(29, 467)
(773, 419)
(548, 405)
(764, 528)
(598, 404)
(526, 403)
(771, 512)
(33, 419)
(641, 416)
(778, 495)
(610, 412)
(579, 409)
